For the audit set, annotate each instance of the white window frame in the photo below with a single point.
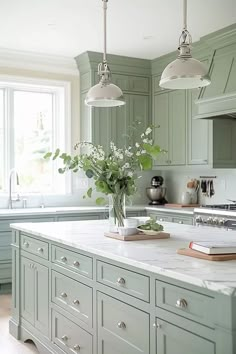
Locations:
(62, 137)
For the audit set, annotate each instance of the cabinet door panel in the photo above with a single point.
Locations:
(41, 298)
(27, 290)
(161, 119)
(177, 127)
(139, 113)
(198, 132)
(171, 339)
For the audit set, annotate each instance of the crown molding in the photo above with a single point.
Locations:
(38, 62)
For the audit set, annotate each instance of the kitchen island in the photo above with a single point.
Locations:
(76, 291)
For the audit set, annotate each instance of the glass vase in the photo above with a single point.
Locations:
(117, 212)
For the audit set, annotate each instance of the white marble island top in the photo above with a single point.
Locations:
(156, 256)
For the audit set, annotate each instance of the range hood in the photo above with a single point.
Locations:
(218, 100)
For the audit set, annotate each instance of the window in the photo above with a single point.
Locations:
(34, 119)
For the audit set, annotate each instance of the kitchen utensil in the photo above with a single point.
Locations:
(186, 198)
(157, 192)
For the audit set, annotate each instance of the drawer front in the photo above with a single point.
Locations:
(5, 272)
(186, 221)
(186, 303)
(122, 327)
(70, 337)
(131, 283)
(173, 339)
(5, 238)
(5, 253)
(79, 217)
(74, 261)
(37, 247)
(160, 217)
(73, 296)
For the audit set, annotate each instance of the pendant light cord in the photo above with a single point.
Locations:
(184, 15)
(105, 30)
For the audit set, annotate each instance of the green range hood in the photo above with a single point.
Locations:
(218, 100)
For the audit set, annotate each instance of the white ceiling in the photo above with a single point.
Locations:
(137, 28)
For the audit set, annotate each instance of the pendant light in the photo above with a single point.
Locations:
(104, 94)
(185, 72)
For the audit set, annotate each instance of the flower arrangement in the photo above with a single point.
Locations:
(115, 172)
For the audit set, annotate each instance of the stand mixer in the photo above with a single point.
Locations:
(156, 193)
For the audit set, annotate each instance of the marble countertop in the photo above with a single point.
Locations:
(84, 209)
(168, 209)
(156, 256)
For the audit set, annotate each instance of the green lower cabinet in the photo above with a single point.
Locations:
(122, 329)
(172, 217)
(35, 294)
(171, 339)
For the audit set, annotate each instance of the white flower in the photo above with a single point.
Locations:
(148, 131)
(130, 174)
(128, 153)
(137, 145)
(142, 135)
(145, 141)
(138, 153)
(126, 165)
(143, 152)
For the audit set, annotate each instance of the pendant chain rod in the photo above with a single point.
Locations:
(184, 14)
(105, 30)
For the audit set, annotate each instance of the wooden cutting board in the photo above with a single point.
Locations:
(209, 257)
(136, 237)
(176, 205)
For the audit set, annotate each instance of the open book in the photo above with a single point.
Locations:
(211, 247)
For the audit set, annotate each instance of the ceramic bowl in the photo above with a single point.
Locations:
(127, 231)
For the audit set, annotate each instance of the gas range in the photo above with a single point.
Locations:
(218, 215)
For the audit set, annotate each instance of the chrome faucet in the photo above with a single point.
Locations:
(13, 173)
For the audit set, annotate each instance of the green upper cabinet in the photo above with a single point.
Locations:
(169, 113)
(103, 125)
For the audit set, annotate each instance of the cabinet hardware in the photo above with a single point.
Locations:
(181, 303)
(64, 338)
(121, 325)
(156, 325)
(26, 244)
(76, 302)
(40, 250)
(161, 219)
(180, 222)
(121, 281)
(63, 259)
(63, 294)
(76, 263)
(77, 347)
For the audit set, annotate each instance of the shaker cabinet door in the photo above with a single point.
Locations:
(27, 289)
(41, 298)
(171, 339)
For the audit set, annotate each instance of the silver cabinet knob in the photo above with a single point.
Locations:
(64, 338)
(26, 244)
(161, 219)
(121, 325)
(76, 302)
(40, 250)
(156, 325)
(121, 281)
(77, 347)
(181, 303)
(63, 259)
(180, 222)
(76, 263)
(63, 294)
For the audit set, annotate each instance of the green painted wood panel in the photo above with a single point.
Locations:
(171, 339)
(27, 280)
(161, 120)
(121, 325)
(224, 146)
(37, 247)
(41, 309)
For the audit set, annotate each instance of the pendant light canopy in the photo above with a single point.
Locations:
(104, 94)
(185, 72)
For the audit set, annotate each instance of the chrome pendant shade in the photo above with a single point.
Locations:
(185, 72)
(104, 94)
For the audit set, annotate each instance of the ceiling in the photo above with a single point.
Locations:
(137, 28)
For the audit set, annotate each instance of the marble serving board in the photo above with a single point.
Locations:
(138, 236)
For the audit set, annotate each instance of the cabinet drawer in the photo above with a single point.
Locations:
(74, 261)
(70, 337)
(5, 272)
(121, 327)
(131, 283)
(186, 221)
(73, 296)
(5, 238)
(160, 217)
(79, 217)
(186, 303)
(37, 247)
(5, 253)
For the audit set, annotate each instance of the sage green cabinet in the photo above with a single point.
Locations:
(171, 217)
(169, 112)
(171, 339)
(35, 294)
